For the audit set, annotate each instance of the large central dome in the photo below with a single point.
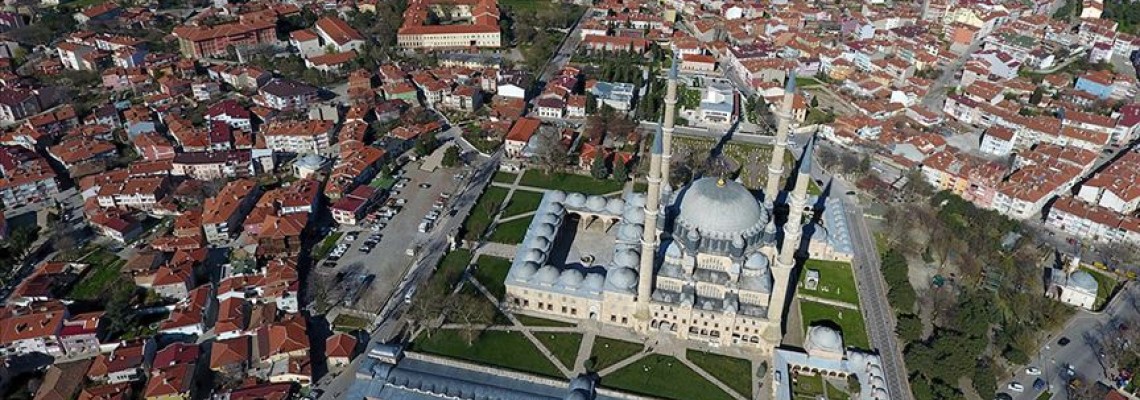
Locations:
(719, 207)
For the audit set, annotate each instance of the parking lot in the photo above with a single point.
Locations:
(380, 268)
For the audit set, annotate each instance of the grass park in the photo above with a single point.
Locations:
(510, 350)
(350, 323)
(564, 346)
(836, 281)
(511, 232)
(484, 211)
(665, 377)
(850, 322)
(732, 371)
(522, 201)
(504, 177)
(569, 182)
(103, 269)
(1105, 286)
(607, 352)
(492, 272)
(326, 245)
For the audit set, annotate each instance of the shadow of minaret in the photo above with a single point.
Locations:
(718, 149)
(815, 223)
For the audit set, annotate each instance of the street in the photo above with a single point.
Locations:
(936, 95)
(1052, 358)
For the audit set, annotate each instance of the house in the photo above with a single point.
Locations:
(153, 147)
(338, 34)
(197, 41)
(17, 104)
(62, 381)
(298, 137)
(618, 96)
(306, 42)
(81, 333)
(126, 363)
(32, 329)
(331, 62)
(285, 95)
(999, 140)
(232, 113)
(98, 13)
(339, 350)
(283, 340)
(121, 391)
(351, 208)
(206, 166)
(120, 228)
(1096, 83)
(223, 214)
(550, 107)
(27, 177)
(175, 382)
(481, 31)
(190, 315)
(230, 356)
(520, 135)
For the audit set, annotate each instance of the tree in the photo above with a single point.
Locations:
(425, 144)
(120, 312)
(815, 102)
(909, 327)
(427, 306)
(551, 153)
(1036, 97)
(598, 168)
(451, 157)
(472, 311)
(621, 174)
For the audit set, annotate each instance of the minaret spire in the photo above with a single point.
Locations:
(783, 124)
(649, 234)
(670, 119)
(793, 228)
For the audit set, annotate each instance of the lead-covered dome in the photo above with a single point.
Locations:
(719, 208)
(823, 340)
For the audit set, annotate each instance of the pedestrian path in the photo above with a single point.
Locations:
(710, 378)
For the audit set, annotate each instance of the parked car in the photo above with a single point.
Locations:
(1064, 341)
(1016, 387)
(1033, 371)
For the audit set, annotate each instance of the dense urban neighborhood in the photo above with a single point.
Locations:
(571, 199)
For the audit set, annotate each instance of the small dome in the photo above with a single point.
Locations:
(594, 281)
(878, 382)
(880, 393)
(756, 261)
(855, 358)
(571, 278)
(556, 209)
(556, 195)
(615, 206)
(824, 339)
(526, 270)
(627, 258)
(576, 200)
(738, 242)
(694, 235)
(634, 215)
(622, 278)
(547, 218)
(534, 255)
(1084, 281)
(673, 250)
(630, 232)
(544, 230)
(547, 275)
(539, 242)
(636, 199)
(596, 203)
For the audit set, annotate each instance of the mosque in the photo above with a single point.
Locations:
(705, 262)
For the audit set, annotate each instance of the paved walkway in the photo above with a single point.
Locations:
(829, 302)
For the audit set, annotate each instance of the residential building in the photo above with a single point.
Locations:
(212, 41)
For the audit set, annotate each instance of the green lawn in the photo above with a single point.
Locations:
(450, 269)
(484, 211)
(527, 320)
(511, 232)
(1045, 396)
(382, 182)
(813, 189)
(836, 281)
(520, 5)
(504, 177)
(569, 182)
(1106, 285)
(323, 248)
(349, 323)
(850, 322)
(663, 376)
(835, 393)
(802, 81)
(492, 271)
(510, 350)
(564, 346)
(607, 352)
(522, 201)
(807, 387)
(641, 187)
(734, 372)
(104, 267)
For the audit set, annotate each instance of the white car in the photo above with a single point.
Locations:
(1016, 387)
(1033, 371)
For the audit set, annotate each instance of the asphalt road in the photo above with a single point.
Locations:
(936, 95)
(1052, 358)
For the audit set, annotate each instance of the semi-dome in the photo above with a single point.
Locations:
(627, 258)
(571, 278)
(636, 199)
(545, 230)
(526, 270)
(622, 278)
(576, 200)
(824, 339)
(547, 275)
(615, 206)
(756, 261)
(555, 209)
(719, 207)
(534, 255)
(547, 218)
(596, 203)
(630, 232)
(1084, 281)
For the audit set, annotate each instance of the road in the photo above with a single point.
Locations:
(879, 317)
(565, 49)
(1080, 353)
(713, 134)
(937, 92)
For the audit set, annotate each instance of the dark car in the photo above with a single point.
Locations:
(1039, 384)
(1063, 341)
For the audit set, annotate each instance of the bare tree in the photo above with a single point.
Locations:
(472, 311)
(551, 155)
